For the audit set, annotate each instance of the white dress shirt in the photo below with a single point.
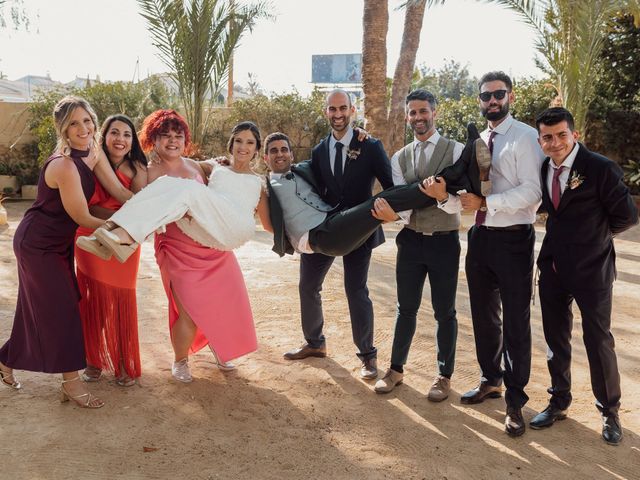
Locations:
(346, 141)
(563, 178)
(398, 177)
(514, 174)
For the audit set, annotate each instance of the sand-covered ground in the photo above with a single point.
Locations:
(316, 418)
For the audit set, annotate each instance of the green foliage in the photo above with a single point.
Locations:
(532, 97)
(137, 100)
(196, 40)
(451, 81)
(21, 162)
(301, 118)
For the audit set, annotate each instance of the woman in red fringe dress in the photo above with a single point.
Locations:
(108, 307)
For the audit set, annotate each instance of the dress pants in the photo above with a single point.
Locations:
(438, 257)
(557, 320)
(313, 269)
(499, 267)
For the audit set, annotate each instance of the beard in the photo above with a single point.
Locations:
(421, 129)
(493, 116)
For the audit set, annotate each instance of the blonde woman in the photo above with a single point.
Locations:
(47, 332)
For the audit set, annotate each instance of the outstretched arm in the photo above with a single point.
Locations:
(263, 212)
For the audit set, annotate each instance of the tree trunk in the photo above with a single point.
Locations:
(414, 15)
(375, 24)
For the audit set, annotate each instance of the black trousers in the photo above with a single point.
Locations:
(499, 267)
(437, 257)
(313, 269)
(347, 230)
(557, 320)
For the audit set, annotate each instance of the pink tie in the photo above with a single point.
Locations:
(555, 187)
(480, 214)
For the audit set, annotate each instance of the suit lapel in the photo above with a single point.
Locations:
(325, 167)
(546, 196)
(354, 146)
(576, 169)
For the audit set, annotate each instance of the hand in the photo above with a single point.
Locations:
(361, 133)
(471, 201)
(435, 187)
(222, 160)
(383, 211)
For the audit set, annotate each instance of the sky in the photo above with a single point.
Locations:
(106, 38)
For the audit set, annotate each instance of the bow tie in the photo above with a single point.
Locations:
(288, 176)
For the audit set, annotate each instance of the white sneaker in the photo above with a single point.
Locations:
(180, 371)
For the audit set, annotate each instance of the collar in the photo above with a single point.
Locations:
(568, 162)
(432, 139)
(504, 126)
(346, 140)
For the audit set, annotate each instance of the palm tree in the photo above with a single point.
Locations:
(570, 37)
(196, 39)
(385, 118)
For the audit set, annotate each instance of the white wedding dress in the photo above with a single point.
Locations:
(221, 213)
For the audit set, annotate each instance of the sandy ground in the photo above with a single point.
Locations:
(314, 418)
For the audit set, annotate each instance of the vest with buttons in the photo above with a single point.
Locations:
(430, 219)
(302, 207)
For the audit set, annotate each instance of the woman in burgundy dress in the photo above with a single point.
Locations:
(47, 332)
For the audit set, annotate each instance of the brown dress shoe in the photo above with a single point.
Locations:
(480, 393)
(369, 369)
(388, 382)
(306, 350)
(439, 389)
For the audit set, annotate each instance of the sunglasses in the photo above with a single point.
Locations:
(497, 94)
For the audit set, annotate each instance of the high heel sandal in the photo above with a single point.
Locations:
(112, 242)
(92, 245)
(91, 374)
(15, 384)
(65, 397)
(224, 366)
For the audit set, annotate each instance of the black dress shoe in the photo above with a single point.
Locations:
(514, 423)
(465, 173)
(611, 430)
(305, 351)
(546, 417)
(480, 393)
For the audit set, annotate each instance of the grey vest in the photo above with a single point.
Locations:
(302, 207)
(430, 219)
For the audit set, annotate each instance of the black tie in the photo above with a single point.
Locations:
(337, 166)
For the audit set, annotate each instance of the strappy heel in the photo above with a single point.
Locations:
(65, 397)
(111, 241)
(14, 384)
(224, 366)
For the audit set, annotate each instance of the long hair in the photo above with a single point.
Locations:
(62, 118)
(133, 156)
(241, 127)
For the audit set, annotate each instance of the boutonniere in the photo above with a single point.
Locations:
(575, 180)
(353, 153)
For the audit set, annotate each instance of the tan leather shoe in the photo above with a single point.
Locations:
(92, 245)
(439, 389)
(388, 382)
(306, 350)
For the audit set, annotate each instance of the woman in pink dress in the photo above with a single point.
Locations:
(208, 300)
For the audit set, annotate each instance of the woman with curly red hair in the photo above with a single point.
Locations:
(208, 301)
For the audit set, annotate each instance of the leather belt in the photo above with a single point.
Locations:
(435, 234)
(510, 228)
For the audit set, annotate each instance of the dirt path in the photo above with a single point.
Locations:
(275, 419)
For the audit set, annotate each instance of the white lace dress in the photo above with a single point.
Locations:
(221, 213)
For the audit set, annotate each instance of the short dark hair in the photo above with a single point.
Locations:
(422, 94)
(553, 116)
(272, 137)
(241, 127)
(498, 75)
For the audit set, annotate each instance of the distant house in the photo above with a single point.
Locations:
(32, 84)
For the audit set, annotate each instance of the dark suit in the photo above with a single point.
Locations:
(577, 261)
(357, 183)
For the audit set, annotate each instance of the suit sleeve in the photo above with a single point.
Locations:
(617, 200)
(315, 166)
(381, 165)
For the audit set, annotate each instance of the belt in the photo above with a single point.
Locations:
(510, 228)
(434, 234)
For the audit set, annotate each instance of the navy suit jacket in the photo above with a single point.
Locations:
(579, 234)
(359, 175)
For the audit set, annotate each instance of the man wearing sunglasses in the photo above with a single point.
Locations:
(499, 262)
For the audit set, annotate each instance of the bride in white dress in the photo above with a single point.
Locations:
(218, 215)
